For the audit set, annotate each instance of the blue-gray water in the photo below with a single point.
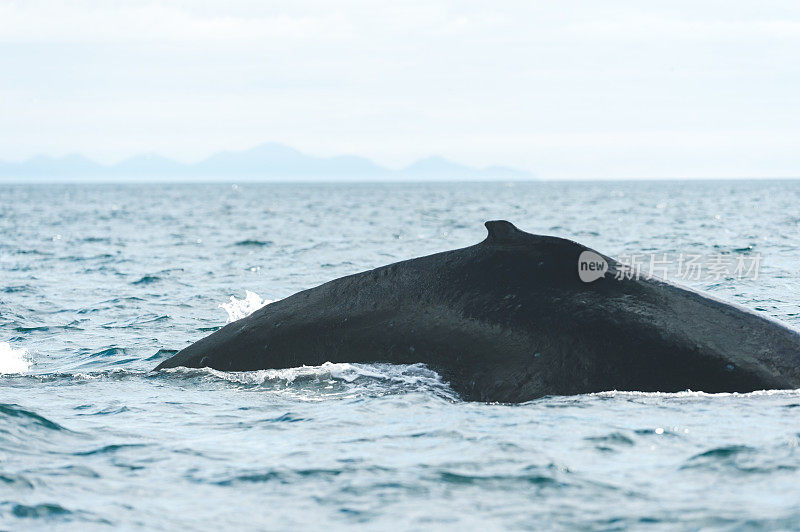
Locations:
(99, 282)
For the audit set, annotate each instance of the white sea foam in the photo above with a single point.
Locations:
(241, 308)
(404, 373)
(13, 360)
(691, 393)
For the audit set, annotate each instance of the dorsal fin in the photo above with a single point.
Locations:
(503, 231)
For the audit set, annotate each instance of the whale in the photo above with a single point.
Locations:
(514, 318)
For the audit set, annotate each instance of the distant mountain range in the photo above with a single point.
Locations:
(267, 162)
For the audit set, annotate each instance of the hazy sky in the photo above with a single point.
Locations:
(566, 89)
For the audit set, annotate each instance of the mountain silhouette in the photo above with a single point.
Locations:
(267, 162)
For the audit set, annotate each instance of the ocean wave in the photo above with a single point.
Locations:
(696, 394)
(305, 382)
(14, 360)
(379, 378)
(46, 510)
(30, 417)
(329, 370)
(148, 279)
(254, 243)
(114, 374)
(25, 430)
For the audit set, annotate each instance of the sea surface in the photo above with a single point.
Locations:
(99, 283)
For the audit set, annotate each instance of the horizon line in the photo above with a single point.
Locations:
(372, 181)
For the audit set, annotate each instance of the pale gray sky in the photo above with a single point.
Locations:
(567, 89)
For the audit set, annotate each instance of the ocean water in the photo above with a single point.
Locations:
(99, 283)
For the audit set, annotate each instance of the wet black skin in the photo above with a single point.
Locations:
(509, 320)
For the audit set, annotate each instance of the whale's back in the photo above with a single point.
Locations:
(510, 319)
